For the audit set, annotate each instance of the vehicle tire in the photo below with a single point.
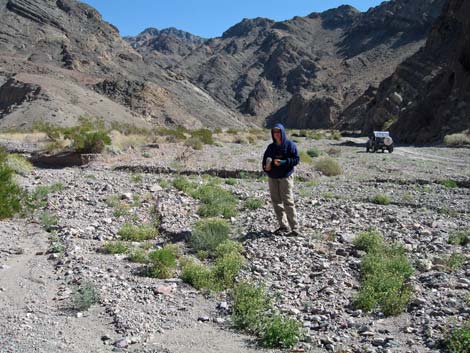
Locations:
(390, 149)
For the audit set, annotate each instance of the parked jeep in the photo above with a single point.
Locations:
(379, 140)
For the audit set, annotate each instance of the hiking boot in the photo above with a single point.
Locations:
(294, 233)
(281, 230)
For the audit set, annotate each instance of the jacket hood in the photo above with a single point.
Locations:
(283, 133)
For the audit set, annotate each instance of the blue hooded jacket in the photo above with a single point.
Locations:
(286, 152)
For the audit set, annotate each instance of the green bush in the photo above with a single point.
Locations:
(458, 339)
(197, 275)
(10, 193)
(250, 306)
(460, 238)
(183, 184)
(216, 201)
(85, 296)
(130, 232)
(385, 271)
(381, 199)
(455, 261)
(162, 262)
(313, 152)
(328, 166)
(138, 256)
(204, 135)
(208, 234)
(52, 131)
(115, 248)
(226, 268)
(231, 181)
(253, 203)
(176, 134)
(449, 183)
(90, 136)
(280, 332)
(368, 241)
(228, 247)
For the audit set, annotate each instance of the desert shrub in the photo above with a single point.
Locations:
(195, 143)
(381, 199)
(226, 268)
(208, 234)
(253, 203)
(204, 135)
(449, 183)
(10, 193)
(216, 201)
(333, 151)
(138, 256)
(183, 184)
(130, 232)
(368, 241)
(197, 275)
(85, 296)
(250, 306)
(49, 221)
(176, 134)
(90, 136)
(385, 270)
(165, 184)
(305, 157)
(115, 248)
(232, 131)
(460, 238)
(456, 140)
(313, 152)
(228, 247)
(280, 332)
(162, 262)
(19, 164)
(136, 178)
(52, 131)
(455, 261)
(328, 166)
(231, 181)
(458, 339)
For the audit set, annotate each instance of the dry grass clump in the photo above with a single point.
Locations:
(328, 166)
(456, 140)
(124, 142)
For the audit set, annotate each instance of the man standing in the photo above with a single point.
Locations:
(278, 162)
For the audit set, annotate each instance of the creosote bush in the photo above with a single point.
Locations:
(305, 157)
(113, 248)
(10, 192)
(280, 331)
(313, 152)
(19, 164)
(449, 183)
(216, 201)
(385, 270)
(204, 135)
(328, 166)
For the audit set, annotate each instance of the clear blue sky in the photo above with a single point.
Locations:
(207, 18)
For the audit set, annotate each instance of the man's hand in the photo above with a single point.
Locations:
(277, 162)
(268, 167)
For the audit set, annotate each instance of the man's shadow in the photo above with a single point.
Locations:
(263, 233)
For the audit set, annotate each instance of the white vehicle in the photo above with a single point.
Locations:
(380, 140)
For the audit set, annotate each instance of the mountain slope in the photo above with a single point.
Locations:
(428, 96)
(304, 71)
(67, 52)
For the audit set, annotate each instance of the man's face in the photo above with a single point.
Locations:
(277, 135)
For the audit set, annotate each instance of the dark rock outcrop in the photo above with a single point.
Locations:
(428, 96)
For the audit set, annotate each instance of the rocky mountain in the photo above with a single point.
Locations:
(306, 70)
(60, 60)
(428, 96)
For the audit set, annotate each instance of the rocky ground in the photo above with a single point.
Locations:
(313, 277)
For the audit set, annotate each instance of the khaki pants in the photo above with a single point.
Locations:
(282, 197)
